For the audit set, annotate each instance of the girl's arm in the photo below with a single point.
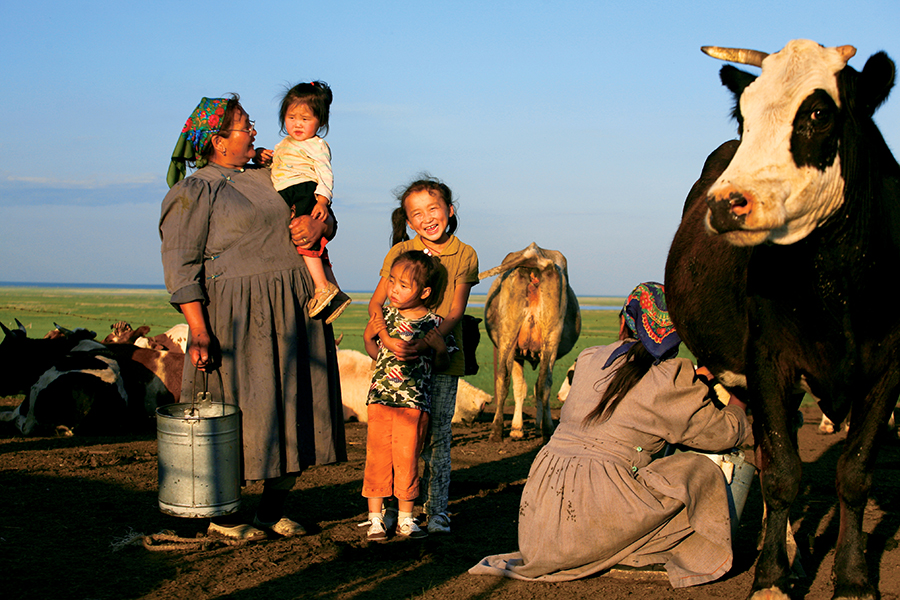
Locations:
(441, 356)
(373, 328)
(403, 350)
(457, 308)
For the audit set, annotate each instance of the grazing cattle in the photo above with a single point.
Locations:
(531, 313)
(356, 377)
(779, 276)
(72, 381)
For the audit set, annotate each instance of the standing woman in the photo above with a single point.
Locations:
(231, 269)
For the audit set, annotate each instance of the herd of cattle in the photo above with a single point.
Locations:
(70, 381)
(778, 279)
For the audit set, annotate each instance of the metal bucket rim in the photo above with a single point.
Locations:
(161, 411)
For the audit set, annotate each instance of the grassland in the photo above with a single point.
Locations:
(38, 309)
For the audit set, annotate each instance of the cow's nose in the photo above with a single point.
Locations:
(728, 212)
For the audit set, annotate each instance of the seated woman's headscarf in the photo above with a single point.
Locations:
(647, 315)
(203, 123)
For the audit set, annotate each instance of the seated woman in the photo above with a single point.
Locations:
(594, 499)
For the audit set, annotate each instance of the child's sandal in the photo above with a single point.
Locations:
(322, 298)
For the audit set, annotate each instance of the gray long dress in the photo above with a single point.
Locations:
(594, 500)
(225, 242)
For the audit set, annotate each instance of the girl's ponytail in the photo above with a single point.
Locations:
(398, 226)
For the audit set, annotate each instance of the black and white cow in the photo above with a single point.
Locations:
(72, 382)
(779, 276)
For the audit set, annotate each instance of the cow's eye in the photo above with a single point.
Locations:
(820, 116)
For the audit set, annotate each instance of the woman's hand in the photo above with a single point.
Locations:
(201, 348)
(307, 231)
(704, 373)
(202, 351)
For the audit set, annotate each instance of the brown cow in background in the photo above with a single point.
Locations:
(532, 314)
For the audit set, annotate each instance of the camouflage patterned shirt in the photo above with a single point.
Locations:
(405, 384)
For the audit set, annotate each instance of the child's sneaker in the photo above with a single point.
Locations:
(338, 304)
(322, 298)
(409, 529)
(439, 523)
(377, 531)
(389, 515)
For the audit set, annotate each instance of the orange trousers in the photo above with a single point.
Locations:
(393, 445)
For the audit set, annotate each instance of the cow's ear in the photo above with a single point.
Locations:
(736, 81)
(875, 82)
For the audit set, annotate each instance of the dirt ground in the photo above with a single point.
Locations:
(76, 509)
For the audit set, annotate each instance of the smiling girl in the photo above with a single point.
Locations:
(426, 207)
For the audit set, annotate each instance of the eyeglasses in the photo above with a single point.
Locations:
(248, 131)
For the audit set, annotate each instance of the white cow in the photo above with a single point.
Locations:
(356, 376)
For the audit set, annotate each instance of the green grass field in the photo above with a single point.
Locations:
(38, 309)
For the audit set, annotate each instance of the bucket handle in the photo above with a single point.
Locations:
(203, 399)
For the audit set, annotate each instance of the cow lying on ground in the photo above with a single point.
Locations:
(72, 381)
(356, 377)
(531, 314)
(777, 275)
(173, 340)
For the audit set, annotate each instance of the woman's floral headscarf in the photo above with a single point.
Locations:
(647, 315)
(203, 123)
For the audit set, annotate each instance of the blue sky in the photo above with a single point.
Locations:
(576, 125)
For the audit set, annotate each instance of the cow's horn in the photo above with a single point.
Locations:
(846, 52)
(737, 55)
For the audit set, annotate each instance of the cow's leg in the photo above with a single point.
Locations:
(520, 390)
(780, 478)
(542, 396)
(501, 388)
(854, 479)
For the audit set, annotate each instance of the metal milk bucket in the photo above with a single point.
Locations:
(199, 450)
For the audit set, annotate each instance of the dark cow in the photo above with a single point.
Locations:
(780, 275)
(531, 313)
(70, 381)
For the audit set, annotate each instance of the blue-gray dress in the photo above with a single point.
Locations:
(226, 242)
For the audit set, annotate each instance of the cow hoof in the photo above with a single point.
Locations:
(772, 593)
(516, 434)
(854, 592)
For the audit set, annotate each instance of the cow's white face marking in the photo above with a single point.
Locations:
(786, 201)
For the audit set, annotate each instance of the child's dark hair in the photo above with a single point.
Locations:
(316, 95)
(424, 271)
(425, 183)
